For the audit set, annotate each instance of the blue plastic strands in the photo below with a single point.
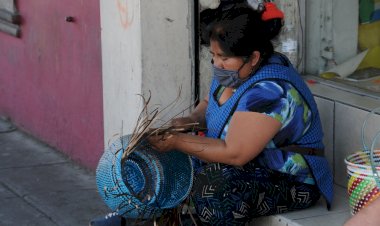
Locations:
(146, 182)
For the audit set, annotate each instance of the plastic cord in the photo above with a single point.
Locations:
(373, 166)
(365, 148)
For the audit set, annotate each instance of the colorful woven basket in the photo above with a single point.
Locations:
(146, 182)
(362, 187)
(362, 170)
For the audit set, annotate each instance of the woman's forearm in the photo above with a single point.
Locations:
(240, 146)
(205, 148)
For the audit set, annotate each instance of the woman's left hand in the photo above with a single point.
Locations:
(164, 142)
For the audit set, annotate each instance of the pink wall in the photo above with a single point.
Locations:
(50, 79)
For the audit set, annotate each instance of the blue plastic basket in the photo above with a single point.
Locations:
(146, 182)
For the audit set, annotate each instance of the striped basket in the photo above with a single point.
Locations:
(362, 186)
(362, 171)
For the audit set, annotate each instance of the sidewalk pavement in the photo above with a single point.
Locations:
(40, 186)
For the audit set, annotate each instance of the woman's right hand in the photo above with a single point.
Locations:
(164, 142)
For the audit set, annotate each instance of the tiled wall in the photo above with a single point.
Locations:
(342, 122)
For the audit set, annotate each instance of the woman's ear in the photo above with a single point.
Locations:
(255, 58)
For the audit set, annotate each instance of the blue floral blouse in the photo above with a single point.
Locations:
(280, 100)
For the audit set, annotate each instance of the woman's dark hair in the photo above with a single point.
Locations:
(239, 30)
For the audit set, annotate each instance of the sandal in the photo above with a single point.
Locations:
(111, 219)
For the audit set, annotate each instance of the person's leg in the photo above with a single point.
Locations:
(368, 216)
(226, 195)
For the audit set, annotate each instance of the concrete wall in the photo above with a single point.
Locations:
(122, 70)
(331, 33)
(146, 47)
(50, 78)
(168, 53)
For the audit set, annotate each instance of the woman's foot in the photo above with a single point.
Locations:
(111, 219)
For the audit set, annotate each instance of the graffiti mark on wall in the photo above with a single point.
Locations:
(125, 13)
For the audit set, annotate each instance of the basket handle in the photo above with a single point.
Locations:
(374, 171)
(365, 148)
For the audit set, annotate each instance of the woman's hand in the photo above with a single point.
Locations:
(164, 142)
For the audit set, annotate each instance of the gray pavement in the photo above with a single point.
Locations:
(40, 186)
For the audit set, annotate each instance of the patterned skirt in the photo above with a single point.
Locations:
(228, 195)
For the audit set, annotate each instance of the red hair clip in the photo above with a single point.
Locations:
(271, 12)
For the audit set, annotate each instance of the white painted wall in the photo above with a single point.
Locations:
(168, 53)
(122, 65)
(146, 46)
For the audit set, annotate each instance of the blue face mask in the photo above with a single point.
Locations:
(227, 78)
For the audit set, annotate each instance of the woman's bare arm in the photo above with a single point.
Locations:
(248, 134)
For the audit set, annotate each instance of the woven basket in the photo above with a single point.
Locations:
(146, 183)
(362, 171)
(362, 186)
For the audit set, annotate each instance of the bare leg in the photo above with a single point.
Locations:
(368, 216)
